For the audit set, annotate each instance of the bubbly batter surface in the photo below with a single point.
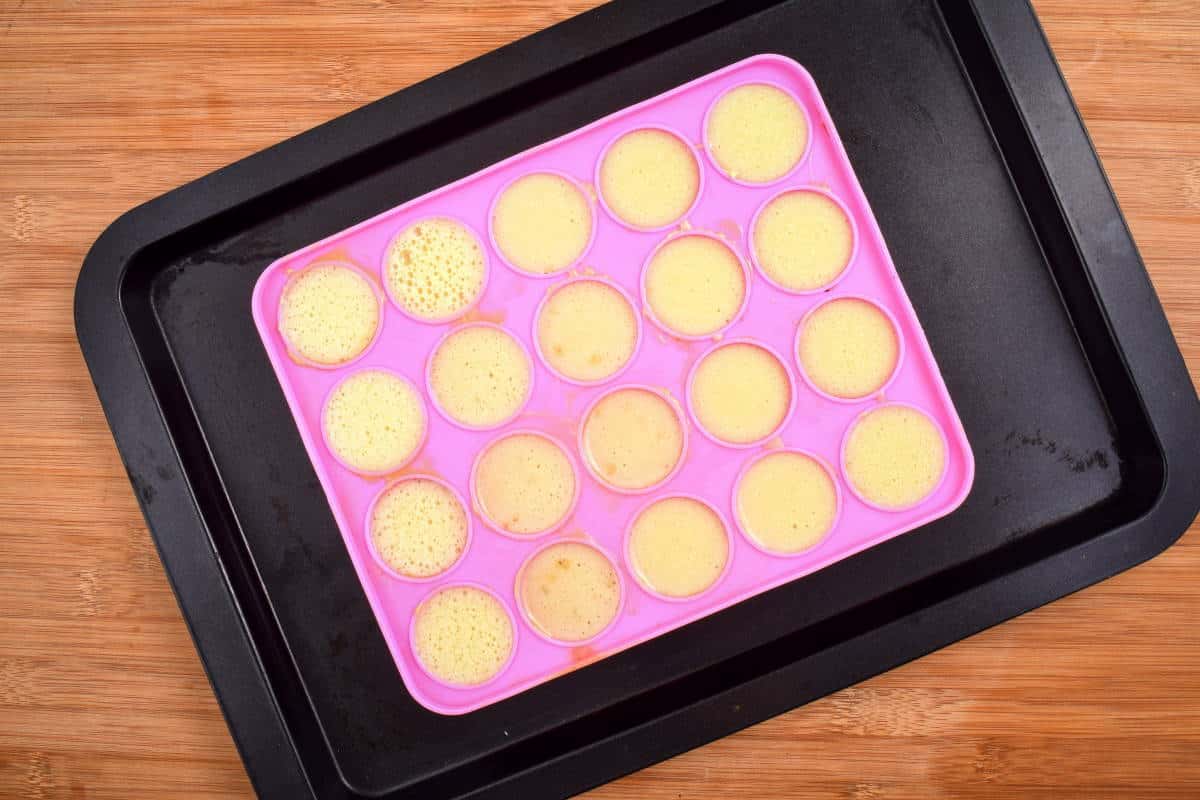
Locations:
(374, 421)
(328, 313)
(435, 269)
(419, 528)
(462, 635)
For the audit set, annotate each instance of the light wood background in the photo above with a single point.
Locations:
(106, 104)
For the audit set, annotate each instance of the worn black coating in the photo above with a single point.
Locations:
(1084, 424)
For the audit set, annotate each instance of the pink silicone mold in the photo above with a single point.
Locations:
(707, 470)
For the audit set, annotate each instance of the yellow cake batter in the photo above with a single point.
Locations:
(678, 547)
(756, 133)
(374, 421)
(569, 591)
(435, 269)
(480, 376)
(328, 313)
(695, 285)
(462, 635)
(848, 348)
(542, 223)
(632, 439)
(419, 527)
(786, 502)
(894, 456)
(802, 241)
(587, 331)
(649, 178)
(524, 483)
(740, 393)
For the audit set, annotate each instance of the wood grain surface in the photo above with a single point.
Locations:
(104, 105)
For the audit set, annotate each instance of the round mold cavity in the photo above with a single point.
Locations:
(533, 626)
(787, 415)
(758, 184)
(837, 492)
(645, 585)
(900, 349)
(591, 206)
(380, 302)
(945, 463)
(686, 144)
(370, 538)
(854, 240)
(637, 321)
(433, 398)
(581, 442)
(478, 504)
(416, 450)
(487, 270)
(512, 621)
(746, 282)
